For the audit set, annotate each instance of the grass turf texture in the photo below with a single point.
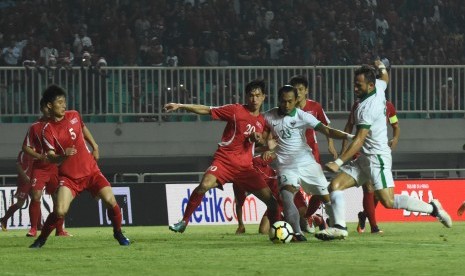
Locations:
(404, 249)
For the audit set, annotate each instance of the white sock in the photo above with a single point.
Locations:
(330, 213)
(291, 214)
(338, 205)
(411, 204)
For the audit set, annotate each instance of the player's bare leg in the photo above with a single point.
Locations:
(64, 199)
(13, 208)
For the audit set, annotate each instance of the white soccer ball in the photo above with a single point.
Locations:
(281, 232)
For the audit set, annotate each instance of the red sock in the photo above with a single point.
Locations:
(49, 225)
(299, 200)
(39, 220)
(13, 208)
(115, 216)
(194, 201)
(59, 225)
(369, 208)
(313, 205)
(34, 213)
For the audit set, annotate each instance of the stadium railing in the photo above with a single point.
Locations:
(9, 179)
(137, 94)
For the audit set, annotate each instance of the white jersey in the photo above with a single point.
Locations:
(371, 114)
(290, 132)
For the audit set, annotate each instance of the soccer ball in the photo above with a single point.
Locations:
(281, 232)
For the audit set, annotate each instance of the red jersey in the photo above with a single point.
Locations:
(235, 147)
(34, 140)
(317, 111)
(68, 133)
(264, 168)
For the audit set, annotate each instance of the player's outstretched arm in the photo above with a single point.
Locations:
(22, 174)
(383, 71)
(31, 152)
(395, 137)
(332, 132)
(352, 149)
(194, 108)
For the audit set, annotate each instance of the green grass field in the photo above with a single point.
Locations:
(404, 249)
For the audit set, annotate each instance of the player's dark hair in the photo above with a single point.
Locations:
(299, 79)
(255, 84)
(42, 103)
(52, 92)
(368, 71)
(285, 89)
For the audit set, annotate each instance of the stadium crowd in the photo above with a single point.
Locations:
(231, 32)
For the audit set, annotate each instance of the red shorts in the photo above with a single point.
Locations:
(240, 194)
(22, 192)
(248, 179)
(92, 183)
(45, 178)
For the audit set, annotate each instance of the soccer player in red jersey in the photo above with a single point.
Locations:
(369, 200)
(65, 141)
(271, 178)
(24, 167)
(313, 107)
(233, 158)
(44, 174)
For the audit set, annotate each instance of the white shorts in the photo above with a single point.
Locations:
(309, 175)
(374, 167)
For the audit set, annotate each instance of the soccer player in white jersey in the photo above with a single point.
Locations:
(295, 161)
(375, 161)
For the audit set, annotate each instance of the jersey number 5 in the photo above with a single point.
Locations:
(72, 133)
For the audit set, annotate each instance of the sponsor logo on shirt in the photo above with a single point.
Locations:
(74, 121)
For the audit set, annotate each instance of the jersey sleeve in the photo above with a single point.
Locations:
(391, 113)
(381, 86)
(310, 120)
(224, 113)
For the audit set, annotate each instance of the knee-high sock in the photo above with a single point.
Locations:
(313, 205)
(291, 214)
(338, 204)
(330, 213)
(59, 225)
(411, 204)
(194, 201)
(115, 216)
(34, 213)
(369, 208)
(9, 213)
(299, 200)
(49, 225)
(272, 212)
